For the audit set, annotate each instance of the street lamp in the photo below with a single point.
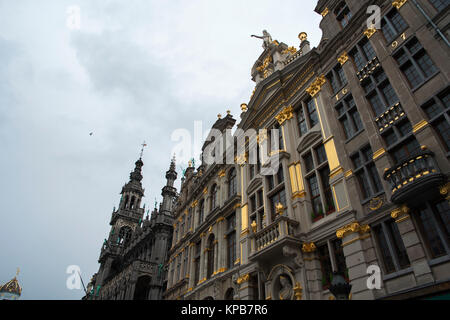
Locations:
(339, 287)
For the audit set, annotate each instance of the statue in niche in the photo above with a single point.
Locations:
(266, 37)
(286, 291)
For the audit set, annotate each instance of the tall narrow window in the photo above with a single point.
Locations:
(198, 250)
(186, 263)
(434, 223)
(438, 112)
(390, 246)
(379, 92)
(362, 54)
(201, 212)
(343, 14)
(440, 5)
(349, 117)
(392, 25)
(231, 241)
(307, 116)
(279, 197)
(280, 138)
(214, 196)
(312, 112)
(366, 173)
(210, 256)
(338, 251)
(302, 125)
(317, 176)
(232, 184)
(325, 265)
(328, 196)
(337, 78)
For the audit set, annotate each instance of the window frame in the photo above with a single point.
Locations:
(391, 245)
(438, 9)
(376, 88)
(231, 238)
(392, 26)
(331, 254)
(334, 76)
(437, 226)
(362, 52)
(444, 114)
(401, 142)
(348, 113)
(316, 171)
(363, 167)
(411, 59)
(306, 116)
(343, 14)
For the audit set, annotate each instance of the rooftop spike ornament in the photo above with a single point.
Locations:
(142, 150)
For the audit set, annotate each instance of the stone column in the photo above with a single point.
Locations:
(353, 237)
(414, 248)
(245, 292)
(313, 271)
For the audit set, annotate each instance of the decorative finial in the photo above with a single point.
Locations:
(17, 272)
(244, 107)
(303, 36)
(228, 112)
(142, 150)
(219, 116)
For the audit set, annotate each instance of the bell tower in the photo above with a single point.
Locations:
(124, 222)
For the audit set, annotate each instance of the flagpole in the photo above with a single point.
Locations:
(84, 288)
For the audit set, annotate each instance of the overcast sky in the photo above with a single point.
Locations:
(134, 71)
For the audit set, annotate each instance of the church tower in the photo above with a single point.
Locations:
(124, 222)
(162, 225)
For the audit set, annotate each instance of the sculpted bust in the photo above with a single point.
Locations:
(285, 288)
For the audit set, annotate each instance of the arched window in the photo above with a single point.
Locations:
(232, 185)
(201, 213)
(132, 202)
(124, 235)
(124, 206)
(214, 197)
(142, 288)
(229, 295)
(210, 256)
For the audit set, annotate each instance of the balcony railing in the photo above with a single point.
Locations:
(414, 178)
(281, 228)
(389, 117)
(368, 69)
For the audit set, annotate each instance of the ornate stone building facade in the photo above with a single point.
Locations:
(363, 146)
(133, 257)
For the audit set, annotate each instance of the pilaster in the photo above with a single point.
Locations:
(353, 236)
(414, 248)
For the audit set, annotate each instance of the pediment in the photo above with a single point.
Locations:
(254, 184)
(309, 139)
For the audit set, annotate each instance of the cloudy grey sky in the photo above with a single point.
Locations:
(136, 70)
